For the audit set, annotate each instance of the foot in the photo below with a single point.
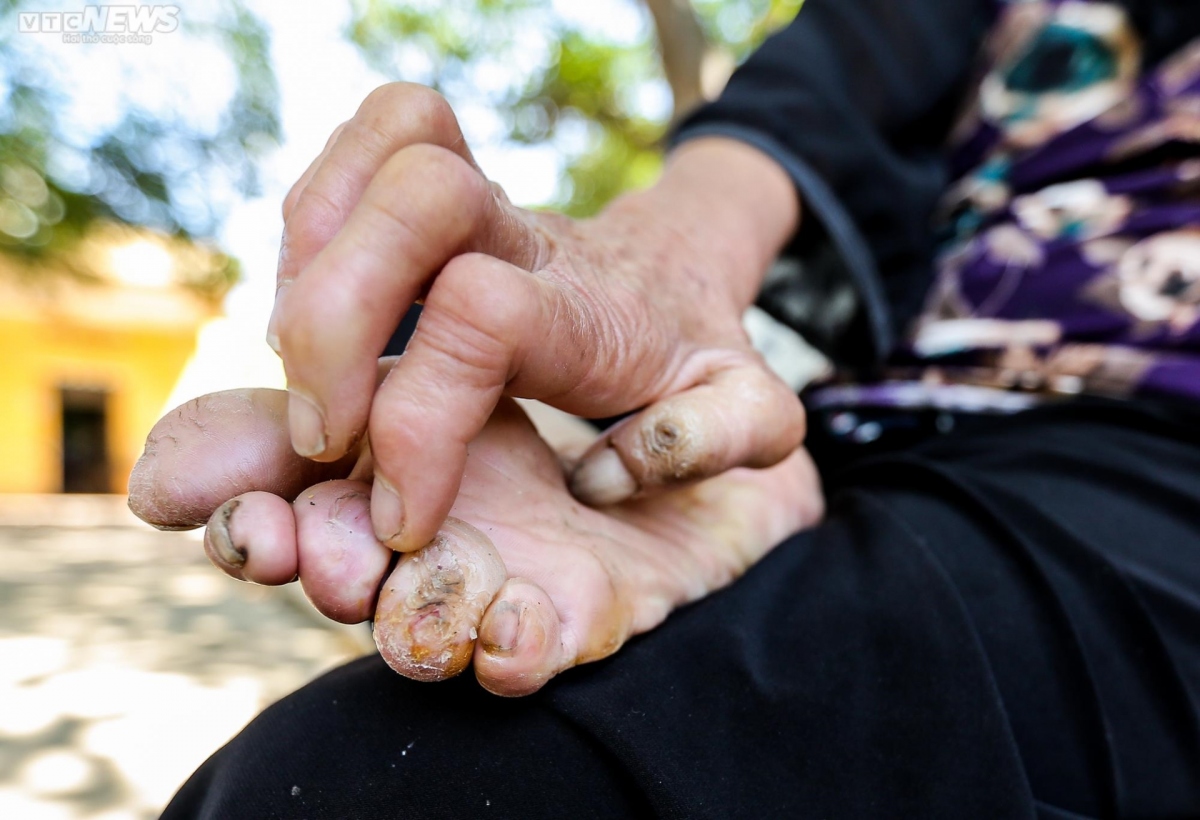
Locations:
(522, 580)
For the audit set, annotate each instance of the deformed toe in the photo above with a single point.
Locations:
(253, 538)
(520, 644)
(429, 611)
(342, 564)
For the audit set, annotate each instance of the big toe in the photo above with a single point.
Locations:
(213, 448)
(429, 611)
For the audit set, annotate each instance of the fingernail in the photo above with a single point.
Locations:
(504, 628)
(273, 322)
(387, 512)
(220, 542)
(307, 425)
(602, 478)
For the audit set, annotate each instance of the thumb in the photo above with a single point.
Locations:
(743, 416)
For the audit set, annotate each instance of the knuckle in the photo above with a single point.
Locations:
(374, 134)
(315, 217)
(388, 436)
(434, 113)
(451, 194)
(434, 166)
(511, 313)
(409, 109)
(386, 96)
(479, 352)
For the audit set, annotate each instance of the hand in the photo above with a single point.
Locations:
(637, 308)
(521, 580)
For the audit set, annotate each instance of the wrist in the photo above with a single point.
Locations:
(728, 203)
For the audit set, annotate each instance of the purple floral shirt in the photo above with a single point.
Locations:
(1070, 259)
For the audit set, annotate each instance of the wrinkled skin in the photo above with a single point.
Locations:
(522, 580)
(639, 307)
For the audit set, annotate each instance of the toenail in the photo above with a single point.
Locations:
(221, 540)
(349, 510)
(504, 628)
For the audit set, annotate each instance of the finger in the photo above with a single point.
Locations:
(293, 194)
(341, 564)
(436, 400)
(216, 447)
(286, 248)
(253, 538)
(425, 206)
(429, 609)
(392, 117)
(740, 417)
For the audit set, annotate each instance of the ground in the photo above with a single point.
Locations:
(125, 659)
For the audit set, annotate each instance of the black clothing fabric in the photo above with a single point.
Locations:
(1001, 621)
(855, 100)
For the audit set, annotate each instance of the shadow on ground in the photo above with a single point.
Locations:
(125, 659)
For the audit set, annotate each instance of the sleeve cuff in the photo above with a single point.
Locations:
(826, 285)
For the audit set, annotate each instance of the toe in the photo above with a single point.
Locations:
(520, 644)
(431, 606)
(215, 447)
(341, 563)
(253, 538)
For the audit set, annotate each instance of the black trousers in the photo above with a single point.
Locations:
(998, 622)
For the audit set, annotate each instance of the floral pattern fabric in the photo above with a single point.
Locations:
(1070, 242)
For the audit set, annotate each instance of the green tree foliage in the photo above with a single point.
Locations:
(553, 79)
(59, 180)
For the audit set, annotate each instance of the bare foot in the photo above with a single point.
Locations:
(522, 580)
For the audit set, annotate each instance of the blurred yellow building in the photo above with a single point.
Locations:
(88, 362)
